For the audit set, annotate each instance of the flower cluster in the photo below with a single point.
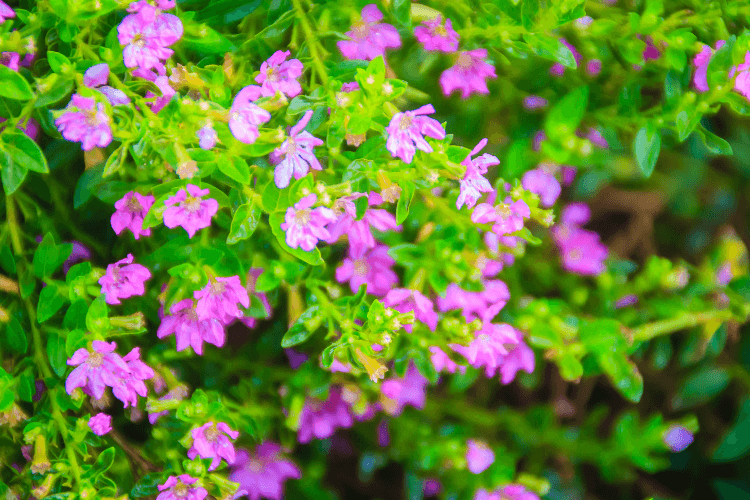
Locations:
(581, 250)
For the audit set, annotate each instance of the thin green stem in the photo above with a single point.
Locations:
(312, 41)
(689, 320)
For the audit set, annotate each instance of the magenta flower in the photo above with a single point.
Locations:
(130, 383)
(533, 102)
(519, 357)
(741, 74)
(160, 79)
(541, 182)
(189, 330)
(295, 156)
(305, 226)
(359, 231)
(189, 210)
(468, 75)
(368, 39)
(596, 138)
(219, 299)
(179, 488)
(489, 347)
(479, 456)
(279, 75)
(96, 75)
(207, 136)
(650, 52)
(442, 362)
(509, 492)
(86, 121)
(594, 67)
(404, 300)
(507, 218)
(245, 116)
(131, 210)
(10, 59)
(123, 281)
(558, 69)
(582, 251)
(6, 12)
(474, 184)
(406, 131)
(402, 391)
(78, 254)
(95, 370)
(147, 33)
(212, 441)
(483, 305)
(436, 36)
(320, 419)
(677, 438)
(100, 424)
(701, 60)
(262, 474)
(368, 267)
(31, 129)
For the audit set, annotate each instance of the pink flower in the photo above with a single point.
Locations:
(121, 282)
(532, 102)
(189, 210)
(596, 138)
(31, 129)
(406, 130)
(147, 33)
(279, 75)
(96, 369)
(367, 38)
(207, 137)
(359, 231)
(5, 12)
(212, 441)
(594, 67)
(677, 438)
(305, 226)
(741, 73)
(178, 488)
(130, 384)
(489, 347)
(160, 79)
(558, 69)
(509, 492)
(100, 424)
(404, 300)
(368, 267)
(519, 357)
(85, 121)
(219, 299)
(189, 330)
(507, 218)
(442, 362)
(96, 75)
(320, 419)
(483, 305)
(582, 251)
(131, 210)
(701, 60)
(402, 391)
(10, 59)
(262, 474)
(295, 156)
(474, 184)
(434, 35)
(541, 182)
(245, 116)
(479, 456)
(468, 75)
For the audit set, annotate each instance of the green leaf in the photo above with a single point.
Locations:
(713, 143)
(49, 256)
(75, 316)
(148, 485)
(736, 442)
(25, 152)
(235, 168)
(701, 387)
(56, 354)
(76, 339)
(57, 61)
(77, 271)
(570, 368)
(273, 198)
(50, 301)
(116, 159)
(26, 387)
(719, 64)
(302, 329)
(244, 223)
(551, 48)
(564, 118)
(646, 148)
(105, 460)
(401, 10)
(97, 320)
(16, 336)
(404, 201)
(313, 257)
(14, 85)
(11, 173)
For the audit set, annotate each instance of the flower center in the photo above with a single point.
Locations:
(575, 255)
(302, 217)
(484, 337)
(181, 490)
(134, 205)
(255, 466)
(502, 211)
(191, 205)
(95, 360)
(405, 122)
(464, 61)
(139, 41)
(218, 287)
(291, 146)
(360, 267)
(360, 29)
(440, 31)
(212, 433)
(272, 75)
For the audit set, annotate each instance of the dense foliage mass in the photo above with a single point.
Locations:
(326, 250)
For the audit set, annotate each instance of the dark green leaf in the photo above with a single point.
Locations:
(301, 329)
(49, 256)
(56, 353)
(646, 148)
(11, 173)
(75, 316)
(244, 223)
(713, 143)
(700, 387)
(564, 118)
(50, 301)
(736, 442)
(97, 320)
(26, 387)
(25, 152)
(16, 336)
(14, 86)
(105, 459)
(235, 168)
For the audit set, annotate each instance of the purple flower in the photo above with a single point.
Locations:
(207, 136)
(442, 362)
(262, 474)
(532, 102)
(436, 36)
(279, 75)
(558, 69)
(479, 456)
(78, 254)
(372, 268)
(541, 182)
(519, 357)
(509, 492)
(123, 281)
(650, 52)
(95, 370)
(295, 156)
(368, 39)
(86, 121)
(359, 231)
(626, 300)
(489, 347)
(219, 299)
(10, 59)
(211, 440)
(305, 226)
(320, 419)
(402, 391)
(159, 78)
(596, 138)
(582, 251)
(31, 129)
(179, 488)
(96, 75)
(474, 184)
(5, 12)
(100, 424)
(507, 218)
(594, 67)
(483, 305)
(131, 210)
(406, 130)
(130, 384)
(147, 33)
(468, 75)
(404, 300)
(245, 115)
(701, 60)
(189, 330)
(189, 210)
(677, 438)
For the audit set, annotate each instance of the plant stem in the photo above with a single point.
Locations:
(651, 330)
(313, 42)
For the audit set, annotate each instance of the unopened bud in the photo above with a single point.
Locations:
(135, 321)
(375, 370)
(40, 464)
(8, 285)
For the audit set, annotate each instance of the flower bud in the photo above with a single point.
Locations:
(40, 464)
(375, 370)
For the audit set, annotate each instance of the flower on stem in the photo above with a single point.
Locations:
(188, 210)
(212, 441)
(129, 214)
(130, 383)
(434, 35)
(359, 231)
(245, 116)
(701, 60)
(406, 132)
(10, 59)
(147, 33)
(374, 369)
(279, 75)
(262, 474)
(219, 299)
(474, 184)
(6, 12)
(582, 251)
(489, 347)
(295, 156)
(442, 362)
(368, 39)
(509, 492)
(507, 218)
(469, 74)
(207, 136)
(404, 300)
(95, 370)
(402, 391)
(479, 456)
(96, 78)
(320, 419)
(252, 278)
(305, 226)
(180, 488)
(123, 281)
(541, 182)
(483, 305)
(86, 121)
(368, 267)
(677, 438)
